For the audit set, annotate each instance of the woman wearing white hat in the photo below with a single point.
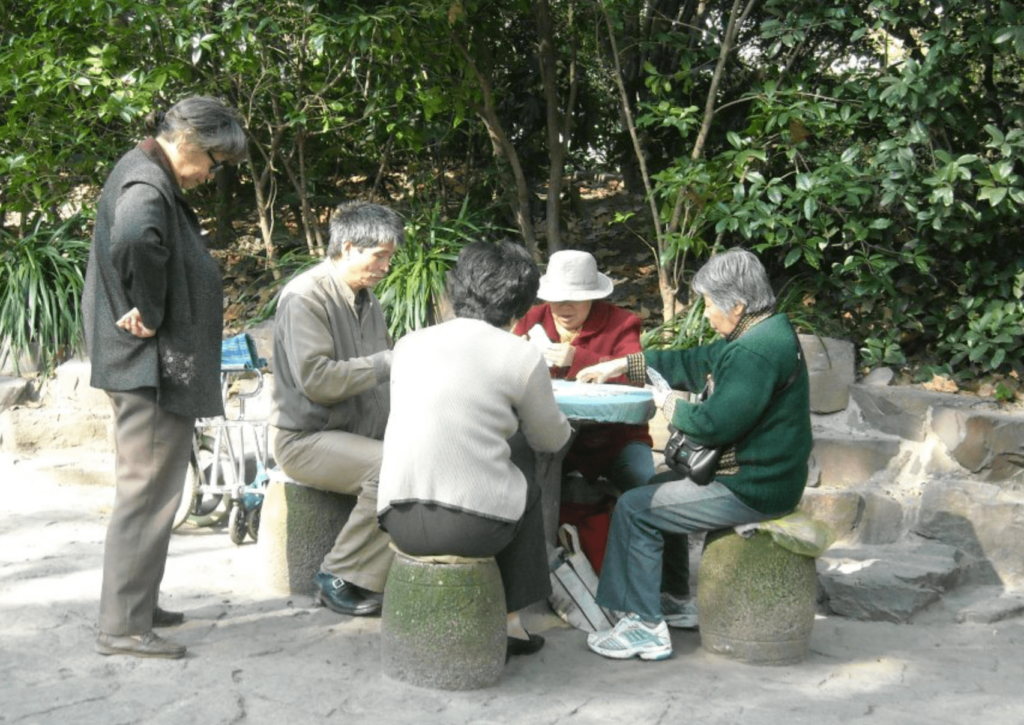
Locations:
(583, 330)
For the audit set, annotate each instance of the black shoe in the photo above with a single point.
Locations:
(149, 644)
(163, 618)
(529, 646)
(344, 597)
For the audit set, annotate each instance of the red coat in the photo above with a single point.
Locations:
(609, 332)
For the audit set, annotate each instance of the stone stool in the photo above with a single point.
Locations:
(755, 599)
(298, 526)
(443, 622)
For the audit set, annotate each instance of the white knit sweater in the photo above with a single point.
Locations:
(459, 390)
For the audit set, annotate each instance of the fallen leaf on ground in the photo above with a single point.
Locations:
(941, 384)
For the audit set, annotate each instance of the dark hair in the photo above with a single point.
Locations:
(206, 122)
(495, 283)
(364, 224)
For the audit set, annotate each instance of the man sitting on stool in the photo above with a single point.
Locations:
(332, 364)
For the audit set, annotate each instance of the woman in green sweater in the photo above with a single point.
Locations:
(758, 414)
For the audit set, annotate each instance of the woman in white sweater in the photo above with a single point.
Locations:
(459, 391)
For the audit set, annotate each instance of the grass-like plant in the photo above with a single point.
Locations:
(413, 290)
(41, 279)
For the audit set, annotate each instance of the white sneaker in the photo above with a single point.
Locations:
(679, 612)
(631, 637)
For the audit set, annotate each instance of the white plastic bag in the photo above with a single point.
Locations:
(797, 532)
(574, 584)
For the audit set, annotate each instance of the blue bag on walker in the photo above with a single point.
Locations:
(239, 353)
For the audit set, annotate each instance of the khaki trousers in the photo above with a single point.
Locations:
(153, 448)
(341, 462)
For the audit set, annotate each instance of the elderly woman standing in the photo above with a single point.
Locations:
(459, 391)
(153, 315)
(758, 413)
(582, 329)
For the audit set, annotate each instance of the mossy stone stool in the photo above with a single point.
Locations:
(755, 599)
(298, 526)
(443, 622)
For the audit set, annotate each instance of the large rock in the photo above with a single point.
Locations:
(903, 412)
(856, 516)
(26, 429)
(887, 583)
(986, 443)
(983, 520)
(69, 388)
(844, 460)
(831, 365)
(13, 391)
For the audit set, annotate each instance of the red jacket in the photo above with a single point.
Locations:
(609, 332)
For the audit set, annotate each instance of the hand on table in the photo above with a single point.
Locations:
(602, 371)
(132, 322)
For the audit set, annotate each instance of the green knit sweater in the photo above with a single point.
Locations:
(772, 437)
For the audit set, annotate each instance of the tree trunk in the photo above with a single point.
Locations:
(559, 122)
(503, 148)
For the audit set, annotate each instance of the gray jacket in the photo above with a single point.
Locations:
(148, 252)
(332, 357)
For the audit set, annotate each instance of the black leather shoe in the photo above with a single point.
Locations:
(149, 644)
(344, 597)
(163, 618)
(529, 646)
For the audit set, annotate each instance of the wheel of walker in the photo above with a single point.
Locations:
(237, 526)
(253, 523)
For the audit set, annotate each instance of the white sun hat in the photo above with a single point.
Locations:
(572, 276)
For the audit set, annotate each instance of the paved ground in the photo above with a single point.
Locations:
(259, 659)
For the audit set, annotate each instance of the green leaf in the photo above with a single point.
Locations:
(993, 194)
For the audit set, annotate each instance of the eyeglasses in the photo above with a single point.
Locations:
(215, 164)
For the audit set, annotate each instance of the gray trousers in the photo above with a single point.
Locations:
(334, 460)
(518, 547)
(153, 448)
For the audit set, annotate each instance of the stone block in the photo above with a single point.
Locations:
(298, 526)
(996, 609)
(831, 365)
(32, 429)
(903, 412)
(887, 583)
(846, 461)
(841, 511)
(69, 387)
(12, 391)
(988, 444)
(983, 520)
(755, 599)
(443, 622)
(856, 517)
(883, 520)
(21, 364)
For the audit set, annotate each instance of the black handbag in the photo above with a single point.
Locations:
(687, 457)
(698, 462)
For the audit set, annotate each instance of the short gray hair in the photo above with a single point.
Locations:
(365, 225)
(733, 277)
(206, 122)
